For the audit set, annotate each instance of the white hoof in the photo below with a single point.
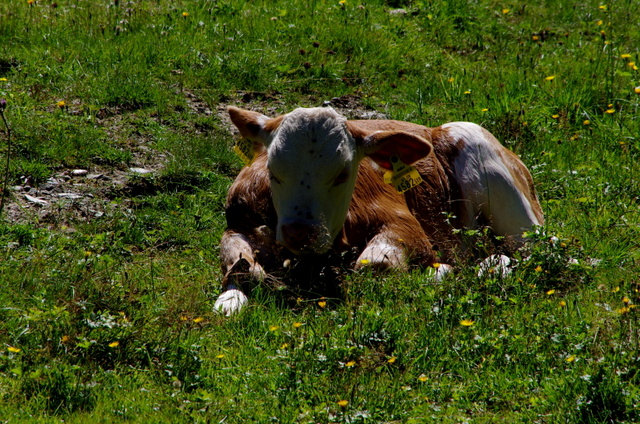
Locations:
(441, 272)
(495, 265)
(230, 302)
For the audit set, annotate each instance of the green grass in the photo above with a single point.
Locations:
(108, 317)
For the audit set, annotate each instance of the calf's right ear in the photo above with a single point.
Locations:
(253, 125)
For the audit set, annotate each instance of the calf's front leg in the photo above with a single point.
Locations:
(239, 266)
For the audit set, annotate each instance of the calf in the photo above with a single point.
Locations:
(316, 186)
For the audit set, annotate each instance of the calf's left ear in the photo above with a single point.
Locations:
(382, 145)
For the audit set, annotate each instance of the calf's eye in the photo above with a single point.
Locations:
(341, 178)
(273, 178)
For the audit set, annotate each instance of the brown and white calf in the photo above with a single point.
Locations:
(316, 186)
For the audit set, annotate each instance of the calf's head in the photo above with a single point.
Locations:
(313, 159)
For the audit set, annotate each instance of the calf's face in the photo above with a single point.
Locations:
(313, 160)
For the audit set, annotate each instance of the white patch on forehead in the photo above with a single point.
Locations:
(318, 133)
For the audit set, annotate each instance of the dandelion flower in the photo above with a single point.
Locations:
(615, 289)
(322, 303)
(485, 110)
(451, 79)
(114, 344)
(13, 349)
(624, 310)
(61, 104)
(343, 403)
(571, 358)
(505, 11)
(599, 22)
(364, 261)
(467, 92)
(467, 322)
(538, 268)
(65, 339)
(550, 78)
(284, 346)
(273, 328)
(185, 14)
(297, 324)
(562, 303)
(610, 111)
(626, 300)
(3, 79)
(535, 38)
(220, 356)
(586, 122)
(556, 116)
(422, 378)
(436, 265)
(637, 90)
(350, 364)
(550, 292)
(198, 320)
(602, 7)
(392, 359)
(625, 56)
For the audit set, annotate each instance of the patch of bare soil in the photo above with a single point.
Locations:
(81, 195)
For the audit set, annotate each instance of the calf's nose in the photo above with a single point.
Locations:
(300, 236)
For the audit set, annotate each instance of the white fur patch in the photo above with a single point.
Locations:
(486, 183)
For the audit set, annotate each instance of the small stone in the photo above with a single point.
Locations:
(139, 170)
(79, 172)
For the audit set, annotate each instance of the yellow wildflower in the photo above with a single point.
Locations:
(297, 324)
(422, 378)
(450, 79)
(3, 79)
(637, 90)
(343, 403)
(562, 304)
(436, 265)
(114, 344)
(467, 322)
(538, 268)
(626, 300)
(571, 358)
(556, 116)
(602, 7)
(624, 310)
(599, 22)
(392, 359)
(198, 320)
(535, 38)
(610, 111)
(61, 104)
(550, 292)
(485, 110)
(220, 356)
(350, 364)
(586, 122)
(505, 11)
(550, 78)
(185, 14)
(284, 346)
(13, 349)
(322, 303)
(467, 92)
(364, 261)
(625, 56)
(65, 339)
(273, 328)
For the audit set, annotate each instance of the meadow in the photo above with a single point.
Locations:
(116, 157)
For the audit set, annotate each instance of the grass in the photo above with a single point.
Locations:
(106, 302)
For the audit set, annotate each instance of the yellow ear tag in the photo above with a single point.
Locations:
(244, 149)
(403, 177)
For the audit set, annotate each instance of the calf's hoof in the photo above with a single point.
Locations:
(230, 302)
